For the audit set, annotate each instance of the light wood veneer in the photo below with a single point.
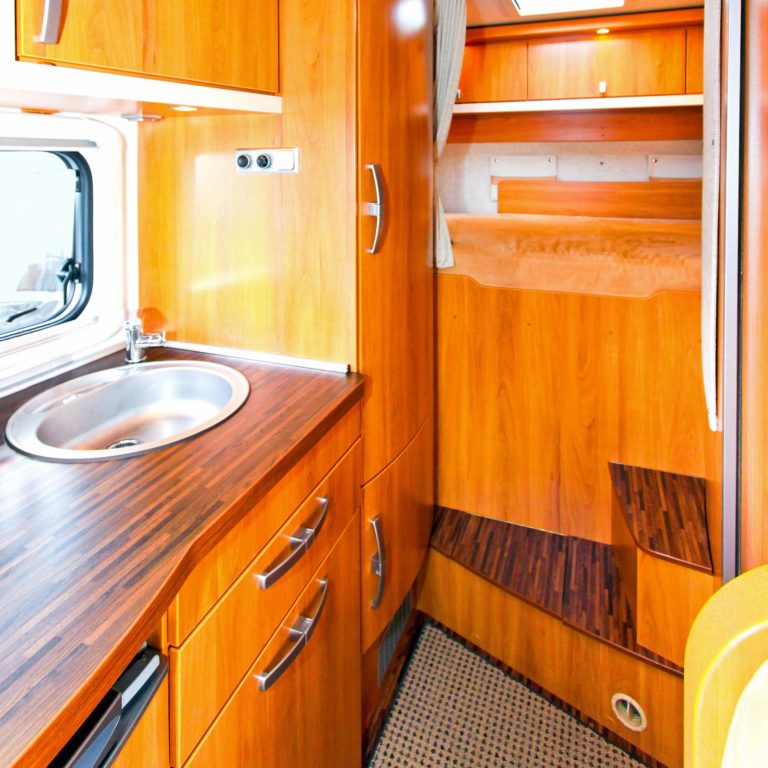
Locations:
(580, 670)
(213, 659)
(304, 719)
(162, 39)
(561, 385)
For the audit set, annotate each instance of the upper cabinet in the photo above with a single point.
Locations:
(643, 63)
(643, 55)
(232, 44)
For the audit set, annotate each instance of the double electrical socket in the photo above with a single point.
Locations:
(267, 160)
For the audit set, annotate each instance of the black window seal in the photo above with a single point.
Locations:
(82, 247)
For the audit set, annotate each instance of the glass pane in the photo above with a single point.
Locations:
(37, 231)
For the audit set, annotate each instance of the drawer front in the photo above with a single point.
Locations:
(310, 715)
(216, 572)
(214, 658)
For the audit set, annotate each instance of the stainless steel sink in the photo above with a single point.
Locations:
(126, 411)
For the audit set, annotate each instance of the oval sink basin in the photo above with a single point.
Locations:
(126, 411)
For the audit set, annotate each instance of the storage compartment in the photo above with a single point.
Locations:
(299, 703)
(213, 659)
(159, 39)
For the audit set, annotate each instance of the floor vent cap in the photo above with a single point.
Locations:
(629, 712)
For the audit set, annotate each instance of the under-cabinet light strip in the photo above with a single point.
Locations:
(261, 357)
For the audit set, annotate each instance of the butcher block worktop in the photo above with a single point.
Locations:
(91, 554)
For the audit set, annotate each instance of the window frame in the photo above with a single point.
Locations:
(82, 239)
(110, 147)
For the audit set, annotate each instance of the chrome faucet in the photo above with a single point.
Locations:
(136, 341)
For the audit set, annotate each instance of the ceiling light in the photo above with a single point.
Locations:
(542, 7)
(184, 108)
(602, 31)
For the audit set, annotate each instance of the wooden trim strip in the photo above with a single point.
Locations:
(618, 22)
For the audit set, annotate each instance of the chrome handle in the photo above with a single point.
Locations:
(376, 209)
(299, 633)
(50, 29)
(300, 542)
(378, 561)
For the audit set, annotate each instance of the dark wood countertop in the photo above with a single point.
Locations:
(92, 554)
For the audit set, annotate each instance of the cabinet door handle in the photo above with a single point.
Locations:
(378, 561)
(300, 542)
(50, 29)
(377, 209)
(299, 633)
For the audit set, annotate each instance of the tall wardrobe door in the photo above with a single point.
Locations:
(395, 176)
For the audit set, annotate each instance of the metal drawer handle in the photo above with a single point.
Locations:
(378, 562)
(299, 633)
(50, 29)
(300, 542)
(376, 209)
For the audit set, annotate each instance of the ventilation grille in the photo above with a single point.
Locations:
(392, 635)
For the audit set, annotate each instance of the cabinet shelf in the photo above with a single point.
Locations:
(571, 105)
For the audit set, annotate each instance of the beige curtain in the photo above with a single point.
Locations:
(450, 32)
(710, 213)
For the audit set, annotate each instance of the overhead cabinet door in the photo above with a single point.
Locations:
(232, 44)
(641, 63)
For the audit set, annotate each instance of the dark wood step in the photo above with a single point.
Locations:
(666, 513)
(574, 579)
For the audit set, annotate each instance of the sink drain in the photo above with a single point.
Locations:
(126, 442)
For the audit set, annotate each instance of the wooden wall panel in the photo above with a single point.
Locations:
(662, 421)
(578, 669)
(652, 124)
(561, 385)
(494, 72)
(655, 199)
(260, 262)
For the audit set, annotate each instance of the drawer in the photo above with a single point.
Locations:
(216, 572)
(310, 714)
(213, 659)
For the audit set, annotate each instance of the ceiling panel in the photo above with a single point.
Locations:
(484, 12)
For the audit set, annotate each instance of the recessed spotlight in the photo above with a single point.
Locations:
(542, 7)
(602, 31)
(184, 108)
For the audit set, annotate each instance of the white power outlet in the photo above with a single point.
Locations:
(267, 160)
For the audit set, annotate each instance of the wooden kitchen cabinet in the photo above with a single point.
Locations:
(401, 498)
(310, 716)
(396, 296)
(231, 44)
(494, 72)
(213, 659)
(694, 60)
(634, 63)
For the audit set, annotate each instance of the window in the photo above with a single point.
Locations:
(46, 251)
